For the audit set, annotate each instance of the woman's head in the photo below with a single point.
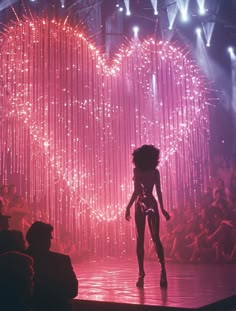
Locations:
(146, 157)
(4, 190)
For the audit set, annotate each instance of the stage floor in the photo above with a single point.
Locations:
(190, 286)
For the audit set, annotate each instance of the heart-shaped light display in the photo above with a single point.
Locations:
(70, 122)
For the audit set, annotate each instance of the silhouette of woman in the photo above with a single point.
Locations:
(146, 175)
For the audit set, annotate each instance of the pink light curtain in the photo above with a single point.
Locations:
(70, 121)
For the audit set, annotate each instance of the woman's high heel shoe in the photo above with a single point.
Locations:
(163, 280)
(140, 282)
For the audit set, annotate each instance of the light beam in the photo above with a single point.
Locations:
(208, 28)
(172, 10)
(154, 5)
(201, 7)
(127, 6)
(183, 6)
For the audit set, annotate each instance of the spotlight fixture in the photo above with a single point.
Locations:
(202, 11)
(136, 30)
(230, 50)
(128, 13)
(231, 53)
(198, 31)
(183, 6)
(208, 28)
(184, 17)
(201, 7)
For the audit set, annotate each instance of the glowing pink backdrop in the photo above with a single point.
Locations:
(71, 119)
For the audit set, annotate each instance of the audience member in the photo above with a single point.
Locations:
(16, 281)
(4, 199)
(224, 172)
(67, 247)
(14, 207)
(17, 209)
(55, 280)
(12, 240)
(220, 186)
(232, 188)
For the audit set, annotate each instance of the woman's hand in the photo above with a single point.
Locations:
(127, 214)
(166, 215)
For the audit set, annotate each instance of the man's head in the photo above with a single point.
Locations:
(11, 240)
(39, 236)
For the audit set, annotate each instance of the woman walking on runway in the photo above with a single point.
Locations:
(146, 176)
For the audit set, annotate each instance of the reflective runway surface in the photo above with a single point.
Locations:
(189, 285)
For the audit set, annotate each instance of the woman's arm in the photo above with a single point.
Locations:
(159, 195)
(133, 197)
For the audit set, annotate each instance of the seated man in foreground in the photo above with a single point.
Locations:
(55, 280)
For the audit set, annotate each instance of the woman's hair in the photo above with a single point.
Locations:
(146, 157)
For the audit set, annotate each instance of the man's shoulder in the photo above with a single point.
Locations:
(57, 255)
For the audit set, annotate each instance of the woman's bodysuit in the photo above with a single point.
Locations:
(146, 205)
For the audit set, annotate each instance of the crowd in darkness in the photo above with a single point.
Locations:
(206, 232)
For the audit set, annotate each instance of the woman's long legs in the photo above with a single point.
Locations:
(154, 226)
(140, 229)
